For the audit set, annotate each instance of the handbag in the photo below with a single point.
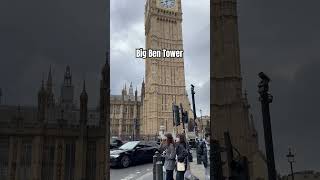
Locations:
(181, 166)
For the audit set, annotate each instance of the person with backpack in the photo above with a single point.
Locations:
(182, 156)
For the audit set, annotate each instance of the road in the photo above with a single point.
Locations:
(139, 172)
(144, 172)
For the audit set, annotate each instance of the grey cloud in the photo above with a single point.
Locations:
(36, 34)
(281, 38)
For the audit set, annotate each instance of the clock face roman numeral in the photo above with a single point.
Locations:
(167, 3)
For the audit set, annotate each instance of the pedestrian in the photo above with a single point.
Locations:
(205, 154)
(198, 148)
(182, 156)
(163, 144)
(169, 154)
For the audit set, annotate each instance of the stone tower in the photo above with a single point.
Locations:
(50, 96)
(229, 107)
(67, 90)
(42, 103)
(103, 92)
(164, 77)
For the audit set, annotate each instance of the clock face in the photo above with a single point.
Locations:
(167, 3)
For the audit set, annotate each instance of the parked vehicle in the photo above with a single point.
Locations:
(115, 143)
(133, 152)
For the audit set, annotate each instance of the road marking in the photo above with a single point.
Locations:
(145, 176)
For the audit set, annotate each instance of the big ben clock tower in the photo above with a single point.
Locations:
(165, 79)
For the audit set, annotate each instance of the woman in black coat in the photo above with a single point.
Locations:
(182, 155)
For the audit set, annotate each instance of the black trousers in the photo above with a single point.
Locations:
(180, 175)
(169, 174)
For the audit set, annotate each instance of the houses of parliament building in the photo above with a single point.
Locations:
(56, 140)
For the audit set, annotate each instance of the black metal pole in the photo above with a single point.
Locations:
(155, 160)
(266, 99)
(215, 156)
(181, 109)
(292, 175)
(134, 128)
(159, 171)
(173, 123)
(229, 151)
(193, 103)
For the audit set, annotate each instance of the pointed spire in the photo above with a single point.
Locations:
(49, 81)
(42, 84)
(131, 90)
(49, 76)
(84, 93)
(42, 88)
(68, 76)
(136, 94)
(105, 69)
(84, 86)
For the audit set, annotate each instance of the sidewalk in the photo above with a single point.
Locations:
(196, 169)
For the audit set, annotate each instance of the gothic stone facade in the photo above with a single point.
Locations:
(165, 78)
(126, 114)
(56, 140)
(229, 107)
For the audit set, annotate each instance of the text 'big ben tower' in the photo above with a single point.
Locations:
(165, 79)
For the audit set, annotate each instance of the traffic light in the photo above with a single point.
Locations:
(176, 115)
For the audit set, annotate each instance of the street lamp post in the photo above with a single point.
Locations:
(193, 102)
(134, 127)
(290, 157)
(266, 99)
(201, 123)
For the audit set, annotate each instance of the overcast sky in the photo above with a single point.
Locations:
(282, 39)
(37, 34)
(127, 34)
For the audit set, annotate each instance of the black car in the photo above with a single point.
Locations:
(133, 152)
(115, 143)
